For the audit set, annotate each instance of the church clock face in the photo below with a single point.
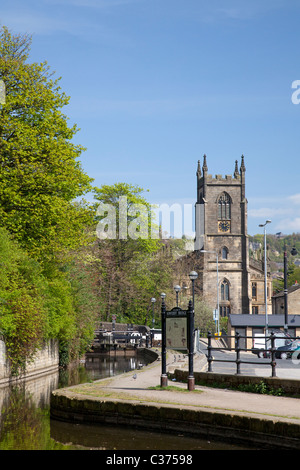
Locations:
(224, 226)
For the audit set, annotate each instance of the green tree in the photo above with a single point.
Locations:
(134, 223)
(86, 303)
(134, 268)
(151, 275)
(22, 313)
(293, 277)
(203, 317)
(40, 175)
(293, 274)
(35, 307)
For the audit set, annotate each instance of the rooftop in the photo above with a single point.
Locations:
(274, 321)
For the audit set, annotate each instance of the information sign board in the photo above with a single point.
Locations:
(176, 329)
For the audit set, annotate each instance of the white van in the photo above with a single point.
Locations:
(260, 347)
(259, 344)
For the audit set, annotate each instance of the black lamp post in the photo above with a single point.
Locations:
(285, 291)
(286, 318)
(190, 330)
(177, 290)
(164, 377)
(193, 276)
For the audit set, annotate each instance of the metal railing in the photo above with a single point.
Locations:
(270, 352)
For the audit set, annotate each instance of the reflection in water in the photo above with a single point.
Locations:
(23, 425)
(99, 367)
(98, 437)
(25, 419)
(24, 407)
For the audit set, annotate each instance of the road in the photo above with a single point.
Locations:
(285, 368)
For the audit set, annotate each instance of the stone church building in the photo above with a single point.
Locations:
(221, 250)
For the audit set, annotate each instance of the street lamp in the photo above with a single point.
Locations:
(294, 252)
(153, 300)
(218, 299)
(177, 290)
(191, 331)
(265, 266)
(164, 377)
(193, 276)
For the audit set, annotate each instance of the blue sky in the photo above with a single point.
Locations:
(155, 84)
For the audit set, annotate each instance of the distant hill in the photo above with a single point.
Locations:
(276, 245)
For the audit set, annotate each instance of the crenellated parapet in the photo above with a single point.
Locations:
(204, 178)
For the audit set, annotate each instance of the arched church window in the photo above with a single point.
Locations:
(224, 207)
(225, 290)
(225, 252)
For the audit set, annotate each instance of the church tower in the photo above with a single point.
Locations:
(221, 240)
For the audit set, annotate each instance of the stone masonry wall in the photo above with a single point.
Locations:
(46, 360)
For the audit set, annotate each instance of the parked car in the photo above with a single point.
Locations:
(262, 349)
(289, 350)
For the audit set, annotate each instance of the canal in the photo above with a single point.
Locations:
(25, 422)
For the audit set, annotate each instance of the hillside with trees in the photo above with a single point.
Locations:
(276, 246)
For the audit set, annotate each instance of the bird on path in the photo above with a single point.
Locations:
(134, 376)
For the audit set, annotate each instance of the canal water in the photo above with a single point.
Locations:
(25, 422)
